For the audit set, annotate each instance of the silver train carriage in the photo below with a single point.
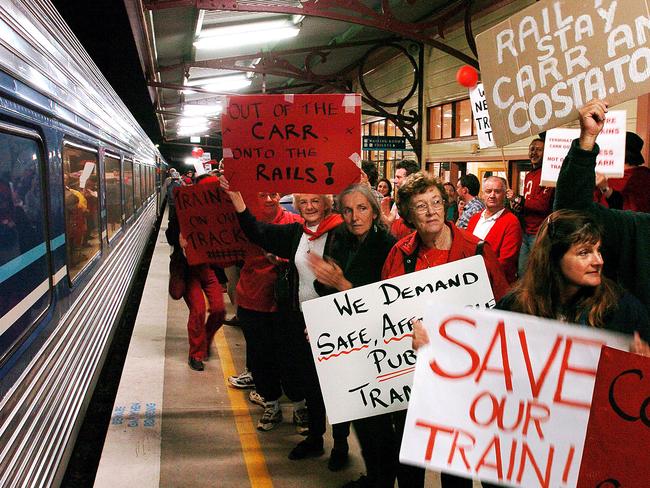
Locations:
(79, 195)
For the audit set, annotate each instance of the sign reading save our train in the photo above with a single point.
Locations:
(292, 143)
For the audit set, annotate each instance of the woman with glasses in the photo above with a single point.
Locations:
(296, 242)
(422, 203)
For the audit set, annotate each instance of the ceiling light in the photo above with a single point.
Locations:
(192, 122)
(220, 83)
(192, 130)
(246, 34)
(193, 109)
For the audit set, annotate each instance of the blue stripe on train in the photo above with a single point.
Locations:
(19, 263)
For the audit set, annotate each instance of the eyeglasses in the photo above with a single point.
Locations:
(423, 207)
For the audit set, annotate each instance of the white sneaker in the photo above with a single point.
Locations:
(301, 421)
(243, 380)
(256, 398)
(271, 417)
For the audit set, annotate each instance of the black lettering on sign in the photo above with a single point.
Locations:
(288, 132)
(295, 173)
(350, 308)
(644, 409)
(609, 483)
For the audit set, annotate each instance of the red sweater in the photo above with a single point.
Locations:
(538, 201)
(634, 188)
(257, 277)
(463, 245)
(505, 239)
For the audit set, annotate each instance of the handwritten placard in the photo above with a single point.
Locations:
(611, 141)
(617, 446)
(209, 224)
(361, 338)
(503, 397)
(546, 61)
(481, 116)
(292, 143)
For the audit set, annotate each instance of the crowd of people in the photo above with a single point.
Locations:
(581, 262)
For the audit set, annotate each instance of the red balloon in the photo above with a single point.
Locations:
(467, 76)
(197, 152)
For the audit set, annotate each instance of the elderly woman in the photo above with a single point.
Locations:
(296, 242)
(422, 203)
(355, 259)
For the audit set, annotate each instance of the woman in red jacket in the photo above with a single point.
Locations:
(422, 204)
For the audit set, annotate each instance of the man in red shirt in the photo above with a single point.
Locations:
(256, 310)
(498, 226)
(537, 202)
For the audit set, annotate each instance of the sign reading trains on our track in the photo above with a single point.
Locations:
(292, 143)
(209, 224)
(361, 339)
(545, 62)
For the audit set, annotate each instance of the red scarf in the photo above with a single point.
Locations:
(327, 224)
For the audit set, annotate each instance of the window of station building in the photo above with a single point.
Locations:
(24, 260)
(127, 184)
(136, 185)
(112, 179)
(81, 204)
(385, 160)
(450, 121)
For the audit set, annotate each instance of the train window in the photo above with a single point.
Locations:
(127, 180)
(136, 185)
(24, 268)
(81, 206)
(112, 179)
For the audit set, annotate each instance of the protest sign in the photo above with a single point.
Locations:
(361, 338)
(617, 446)
(292, 143)
(503, 397)
(209, 224)
(611, 141)
(546, 61)
(481, 116)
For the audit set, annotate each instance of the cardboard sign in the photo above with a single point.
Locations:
(617, 447)
(481, 116)
(503, 397)
(361, 338)
(209, 225)
(611, 140)
(545, 62)
(292, 143)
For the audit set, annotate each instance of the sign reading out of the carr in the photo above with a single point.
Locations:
(292, 143)
(545, 62)
(384, 143)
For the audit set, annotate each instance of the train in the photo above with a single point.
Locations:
(79, 197)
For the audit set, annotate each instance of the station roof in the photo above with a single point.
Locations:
(195, 52)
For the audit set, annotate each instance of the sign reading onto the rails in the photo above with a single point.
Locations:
(503, 397)
(361, 338)
(546, 61)
(292, 143)
(209, 224)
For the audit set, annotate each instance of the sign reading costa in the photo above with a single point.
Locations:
(292, 143)
(546, 61)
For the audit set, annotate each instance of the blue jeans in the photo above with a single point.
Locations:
(527, 242)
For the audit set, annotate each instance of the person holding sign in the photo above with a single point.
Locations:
(296, 242)
(355, 259)
(422, 203)
(626, 234)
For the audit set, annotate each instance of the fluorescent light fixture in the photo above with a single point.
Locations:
(192, 130)
(190, 161)
(192, 122)
(195, 140)
(220, 83)
(246, 34)
(193, 110)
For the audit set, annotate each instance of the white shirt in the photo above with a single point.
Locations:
(485, 224)
(306, 290)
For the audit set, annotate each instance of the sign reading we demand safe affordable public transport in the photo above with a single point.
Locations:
(545, 62)
(503, 397)
(361, 338)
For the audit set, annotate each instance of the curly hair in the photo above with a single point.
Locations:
(538, 292)
(416, 184)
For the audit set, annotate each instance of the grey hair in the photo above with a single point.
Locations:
(366, 192)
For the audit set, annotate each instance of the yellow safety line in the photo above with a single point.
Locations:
(258, 474)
